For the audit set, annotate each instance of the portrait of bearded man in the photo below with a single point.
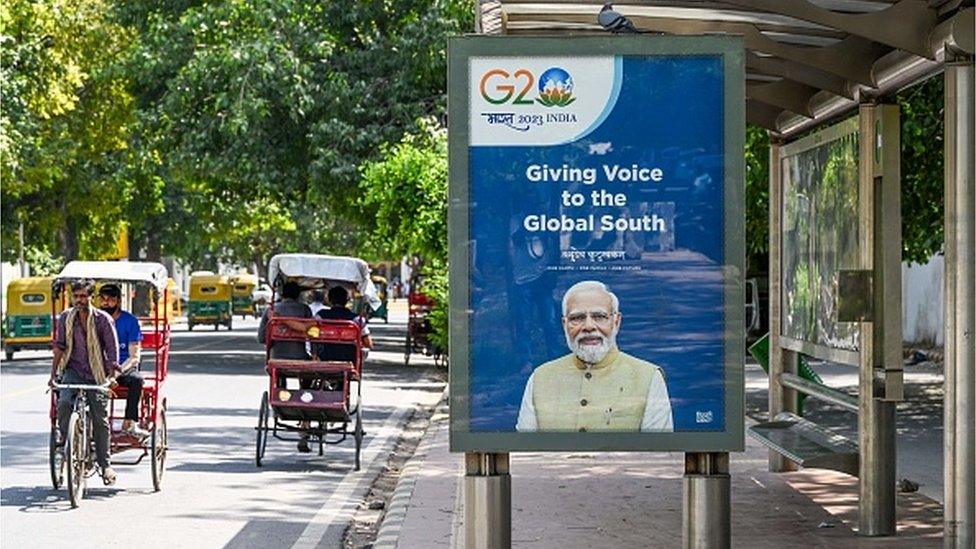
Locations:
(596, 387)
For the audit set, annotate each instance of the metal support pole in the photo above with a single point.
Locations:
(781, 398)
(487, 501)
(706, 512)
(880, 379)
(960, 306)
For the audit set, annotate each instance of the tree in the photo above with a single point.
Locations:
(65, 124)
(407, 188)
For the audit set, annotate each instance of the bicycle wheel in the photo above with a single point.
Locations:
(262, 430)
(406, 352)
(358, 434)
(76, 458)
(160, 439)
(56, 458)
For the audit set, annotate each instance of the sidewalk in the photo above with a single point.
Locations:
(621, 500)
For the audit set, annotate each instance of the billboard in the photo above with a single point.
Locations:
(596, 234)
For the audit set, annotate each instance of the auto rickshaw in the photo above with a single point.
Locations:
(175, 308)
(244, 285)
(28, 321)
(210, 301)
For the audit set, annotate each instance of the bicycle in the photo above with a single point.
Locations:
(74, 459)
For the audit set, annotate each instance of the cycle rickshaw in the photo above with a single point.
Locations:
(72, 461)
(419, 329)
(318, 401)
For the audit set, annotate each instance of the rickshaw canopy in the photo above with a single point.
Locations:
(150, 273)
(310, 269)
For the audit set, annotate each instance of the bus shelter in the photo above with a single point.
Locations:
(820, 75)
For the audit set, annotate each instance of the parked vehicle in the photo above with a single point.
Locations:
(210, 301)
(27, 325)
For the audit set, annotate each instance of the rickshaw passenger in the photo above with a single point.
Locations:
(130, 348)
(318, 302)
(291, 307)
(338, 298)
(82, 329)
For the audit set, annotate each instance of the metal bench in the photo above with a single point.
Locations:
(807, 444)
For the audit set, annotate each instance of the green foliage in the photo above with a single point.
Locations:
(220, 130)
(922, 175)
(757, 199)
(65, 124)
(407, 188)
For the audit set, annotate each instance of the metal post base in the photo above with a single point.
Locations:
(706, 513)
(487, 501)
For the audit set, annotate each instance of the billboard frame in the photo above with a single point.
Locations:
(730, 49)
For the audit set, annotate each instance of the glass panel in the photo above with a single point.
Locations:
(820, 238)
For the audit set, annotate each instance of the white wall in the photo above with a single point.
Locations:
(923, 302)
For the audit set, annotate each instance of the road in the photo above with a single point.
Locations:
(212, 494)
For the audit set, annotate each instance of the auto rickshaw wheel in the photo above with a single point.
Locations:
(190, 326)
(56, 458)
(9, 353)
(216, 326)
(158, 447)
(262, 430)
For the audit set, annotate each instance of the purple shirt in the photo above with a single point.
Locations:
(78, 361)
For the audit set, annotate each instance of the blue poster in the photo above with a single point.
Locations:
(596, 256)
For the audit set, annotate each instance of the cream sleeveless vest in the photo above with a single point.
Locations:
(609, 396)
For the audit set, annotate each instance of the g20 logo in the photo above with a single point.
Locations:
(555, 87)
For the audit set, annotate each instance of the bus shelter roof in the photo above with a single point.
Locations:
(807, 61)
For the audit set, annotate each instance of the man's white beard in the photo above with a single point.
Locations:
(592, 354)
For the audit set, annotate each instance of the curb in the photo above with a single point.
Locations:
(388, 535)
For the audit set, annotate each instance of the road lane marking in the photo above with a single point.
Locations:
(342, 497)
(39, 389)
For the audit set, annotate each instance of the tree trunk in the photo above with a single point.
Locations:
(68, 235)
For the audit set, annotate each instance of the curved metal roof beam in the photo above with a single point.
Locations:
(851, 58)
(905, 25)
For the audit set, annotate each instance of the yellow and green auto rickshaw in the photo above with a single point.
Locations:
(28, 322)
(244, 285)
(210, 301)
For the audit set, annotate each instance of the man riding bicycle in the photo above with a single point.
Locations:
(86, 351)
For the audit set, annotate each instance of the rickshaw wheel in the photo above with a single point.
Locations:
(358, 433)
(56, 459)
(158, 447)
(262, 430)
(74, 457)
(406, 353)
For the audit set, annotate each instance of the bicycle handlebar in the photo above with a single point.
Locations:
(84, 387)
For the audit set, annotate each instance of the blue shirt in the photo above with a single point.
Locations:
(127, 326)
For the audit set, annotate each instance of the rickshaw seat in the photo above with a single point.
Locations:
(306, 366)
(153, 339)
(119, 392)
